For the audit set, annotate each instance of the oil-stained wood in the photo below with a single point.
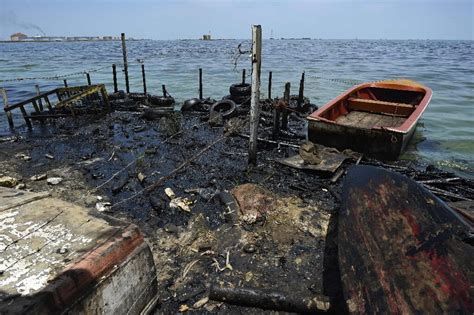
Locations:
(369, 120)
(401, 249)
(380, 106)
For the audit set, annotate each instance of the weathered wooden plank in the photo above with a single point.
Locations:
(380, 106)
(401, 249)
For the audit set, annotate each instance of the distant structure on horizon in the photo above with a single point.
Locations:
(20, 37)
(206, 37)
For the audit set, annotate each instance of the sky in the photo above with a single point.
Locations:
(183, 19)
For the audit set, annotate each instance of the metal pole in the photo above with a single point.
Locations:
(200, 83)
(114, 74)
(270, 85)
(144, 80)
(125, 63)
(88, 78)
(255, 96)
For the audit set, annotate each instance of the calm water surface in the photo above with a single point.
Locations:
(444, 136)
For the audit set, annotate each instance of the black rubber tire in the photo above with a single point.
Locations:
(137, 97)
(240, 89)
(225, 107)
(161, 101)
(241, 100)
(191, 104)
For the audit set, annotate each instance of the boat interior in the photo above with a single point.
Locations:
(373, 107)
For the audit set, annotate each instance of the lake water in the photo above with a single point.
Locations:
(444, 136)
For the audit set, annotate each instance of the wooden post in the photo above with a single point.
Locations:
(270, 85)
(40, 101)
(144, 79)
(255, 97)
(5, 106)
(114, 74)
(243, 76)
(125, 63)
(65, 83)
(301, 92)
(163, 88)
(276, 122)
(286, 99)
(88, 78)
(200, 83)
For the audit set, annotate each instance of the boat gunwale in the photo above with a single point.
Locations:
(410, 121)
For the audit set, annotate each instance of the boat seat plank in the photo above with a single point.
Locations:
(361, 104)
(368, 120)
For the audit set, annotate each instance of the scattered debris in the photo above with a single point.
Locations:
(39, 177)
(170, 193)
(103, 206)
(8, 181)
(49, 156)
(54, 180)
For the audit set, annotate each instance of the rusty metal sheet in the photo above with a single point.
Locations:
(401, 249)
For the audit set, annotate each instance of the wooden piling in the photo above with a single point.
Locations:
(276, 122)
(270, 85)
(301, 92)
(163, 88)
(243, 76)
(40, 101)
(65, 83)
(89, 82)
(255, 96)
(5, 106)
(286, 99)
(144, 79)
(125, 63)
(200, 83)
(114, 74)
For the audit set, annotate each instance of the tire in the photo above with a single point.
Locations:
(240, 89)
(227, 97)
(241, 100)
(161, 101)
(190, 104)
(225, 107)
(138, 97)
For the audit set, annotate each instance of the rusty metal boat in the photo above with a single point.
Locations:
(376, 118)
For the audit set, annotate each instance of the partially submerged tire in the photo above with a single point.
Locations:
(225, 107)
(241, 89)
(161, 101)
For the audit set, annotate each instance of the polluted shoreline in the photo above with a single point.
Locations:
(213, 222)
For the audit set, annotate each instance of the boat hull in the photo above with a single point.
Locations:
(378, 143)
(401, 249)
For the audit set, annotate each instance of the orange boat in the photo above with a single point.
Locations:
(376, 118)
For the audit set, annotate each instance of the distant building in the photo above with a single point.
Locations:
(206, 37)
(107, 38)
(18, 36)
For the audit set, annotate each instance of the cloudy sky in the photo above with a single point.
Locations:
(178, 19)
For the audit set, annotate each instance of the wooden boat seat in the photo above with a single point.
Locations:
(363, 119)
(375, 106)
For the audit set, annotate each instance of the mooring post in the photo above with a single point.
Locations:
(114, 74)
(301, 92)
(270, 85)
(243, 76)
(200, 83)
(65, 83)
(144, 79)
(163, 88)
(255, 96)
(286, 99)
(5, 106)
(40, 101)
(89, 82)
(276, 121)
(125, 63)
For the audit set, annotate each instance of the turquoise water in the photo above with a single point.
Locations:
(444, 136)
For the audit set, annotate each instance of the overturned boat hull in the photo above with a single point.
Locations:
(401, 249)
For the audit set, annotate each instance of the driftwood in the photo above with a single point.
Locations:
(270, 300)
